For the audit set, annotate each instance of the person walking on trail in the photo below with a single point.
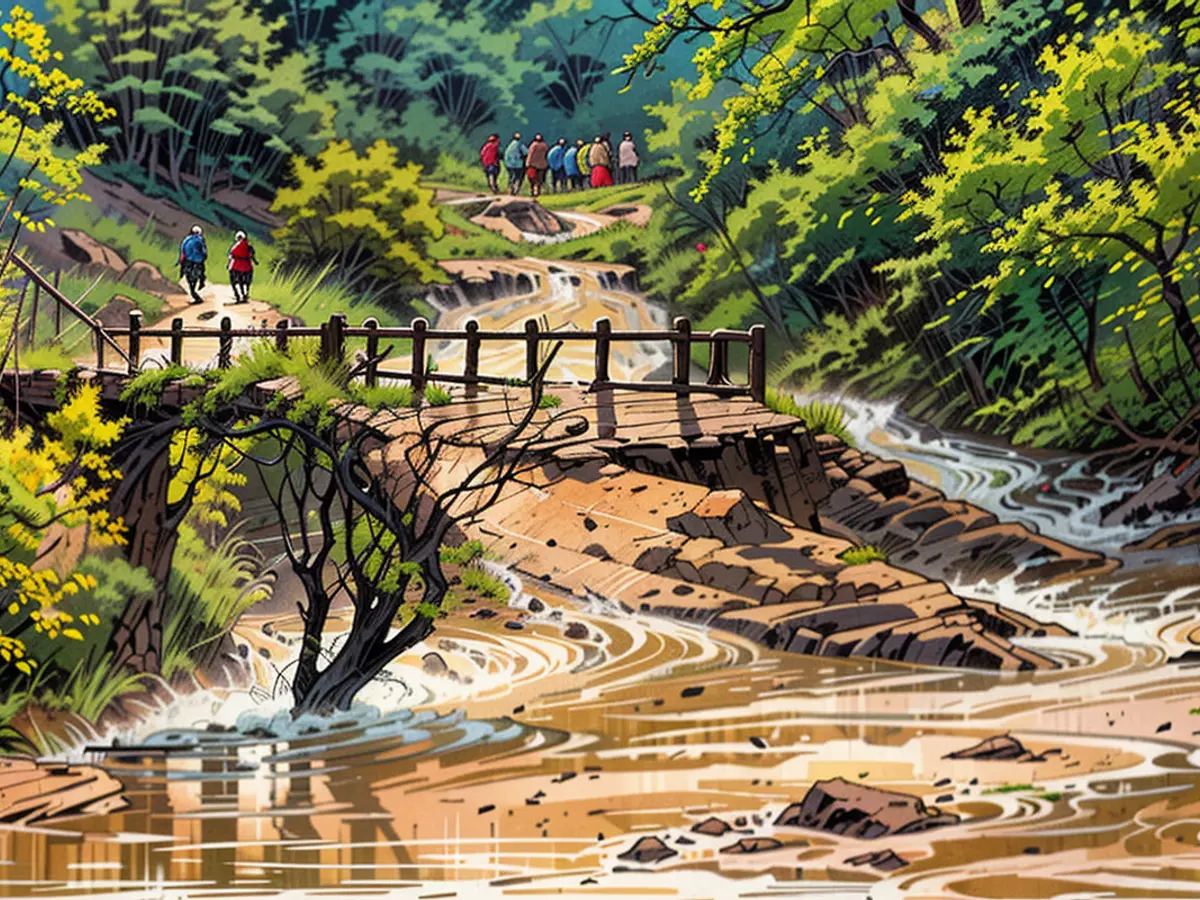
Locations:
(571, 173)
(241, 267)
(514, 161)
(537, 163)
(489, 158)
(627, 159)
(601, 162)
(193, 254)
(582, 153)
(558, 171)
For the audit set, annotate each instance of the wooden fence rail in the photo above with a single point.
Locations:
(335, 335)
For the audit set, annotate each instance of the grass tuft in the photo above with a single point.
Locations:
(821, 416)
(860, 556)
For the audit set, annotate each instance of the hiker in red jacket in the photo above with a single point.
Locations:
(489, 158)
(241, 267)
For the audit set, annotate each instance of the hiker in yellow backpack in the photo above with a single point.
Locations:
(581, 162)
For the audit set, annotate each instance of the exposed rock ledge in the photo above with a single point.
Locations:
(39, 792)
(923, 531)
(715, 557)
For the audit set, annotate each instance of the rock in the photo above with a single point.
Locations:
(731, 518)
(536, 605)
(999, 747)
(889, 478)
(433, 664)
(712, 826)
(1173, 491)
(85, 249)
(856, 810)
(577, 631)
(115, 313)
(648, 850)
(753, 845)
(883, 860)
(513, 624)
(528, 217)
(146, 277)
(32, 792)
(1180, 534)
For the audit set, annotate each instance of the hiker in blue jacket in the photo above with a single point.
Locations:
(514, 161)
(193, 254)
(558, 172)
(571, 173)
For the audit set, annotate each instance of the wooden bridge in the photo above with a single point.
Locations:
(337, 338)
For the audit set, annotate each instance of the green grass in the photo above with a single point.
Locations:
(599, 199)
(132, 241)
(209, 589)
(437, 396)
(488, 586)
(860, 556)
(466, 552)
(1052, 796)
(49, 356)
(1009, 789)
(91, 688)
(821, 417)
(463, 239)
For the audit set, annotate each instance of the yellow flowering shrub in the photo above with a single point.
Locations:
(51, 482)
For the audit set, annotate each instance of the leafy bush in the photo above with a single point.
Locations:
(366, 216)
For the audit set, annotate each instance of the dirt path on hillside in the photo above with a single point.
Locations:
(217, 303)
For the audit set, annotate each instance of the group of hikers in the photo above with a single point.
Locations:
(566, 167)
(193, 261)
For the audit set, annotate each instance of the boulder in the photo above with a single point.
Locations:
(434, 664)
(577, 631)
(731, 518)
(85, 249)
(115, 313)
(648, 850)
(753, 845)
(999, 747)
(712, 826)
(889, 478)
(856, 810)
(528, 217)
(32, 792)
(1177, 535)
(146, 277)
(883, 860)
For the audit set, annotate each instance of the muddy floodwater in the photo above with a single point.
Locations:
(542, 757)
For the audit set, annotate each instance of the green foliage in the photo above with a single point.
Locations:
(480, 582)
(47, 357)
(383, 396)
(860, 556)
(550, 401)
(367, 216)
(437, 396)
(821, 416)
(993, 223)
(209, 589)
(1009, 789)
(1052, 796)
(466, 552)
(145, 389)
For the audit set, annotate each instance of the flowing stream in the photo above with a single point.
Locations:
(544, 757)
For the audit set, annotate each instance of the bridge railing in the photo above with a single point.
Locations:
(336, 334)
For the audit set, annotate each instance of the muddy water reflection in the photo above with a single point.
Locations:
(575, 748)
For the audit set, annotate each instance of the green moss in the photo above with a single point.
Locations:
(1009, 789)
(999, 478)
(145, 389)
(860, 556)
(1052, 796)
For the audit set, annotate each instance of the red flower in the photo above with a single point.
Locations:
(701, 247)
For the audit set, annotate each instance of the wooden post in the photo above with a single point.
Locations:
(419, 327)
(471, 364)
(758, 363)
(57, 318)
(683, 351)
(718, 358)
(37, 296)
(337, 337)
(135, 340)
(603, 345)
(225, 348)
(177, 342)
(531, 350)
(372, 375)
(281, 336)
(99, 332)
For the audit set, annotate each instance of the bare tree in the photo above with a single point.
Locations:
(365, 500)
